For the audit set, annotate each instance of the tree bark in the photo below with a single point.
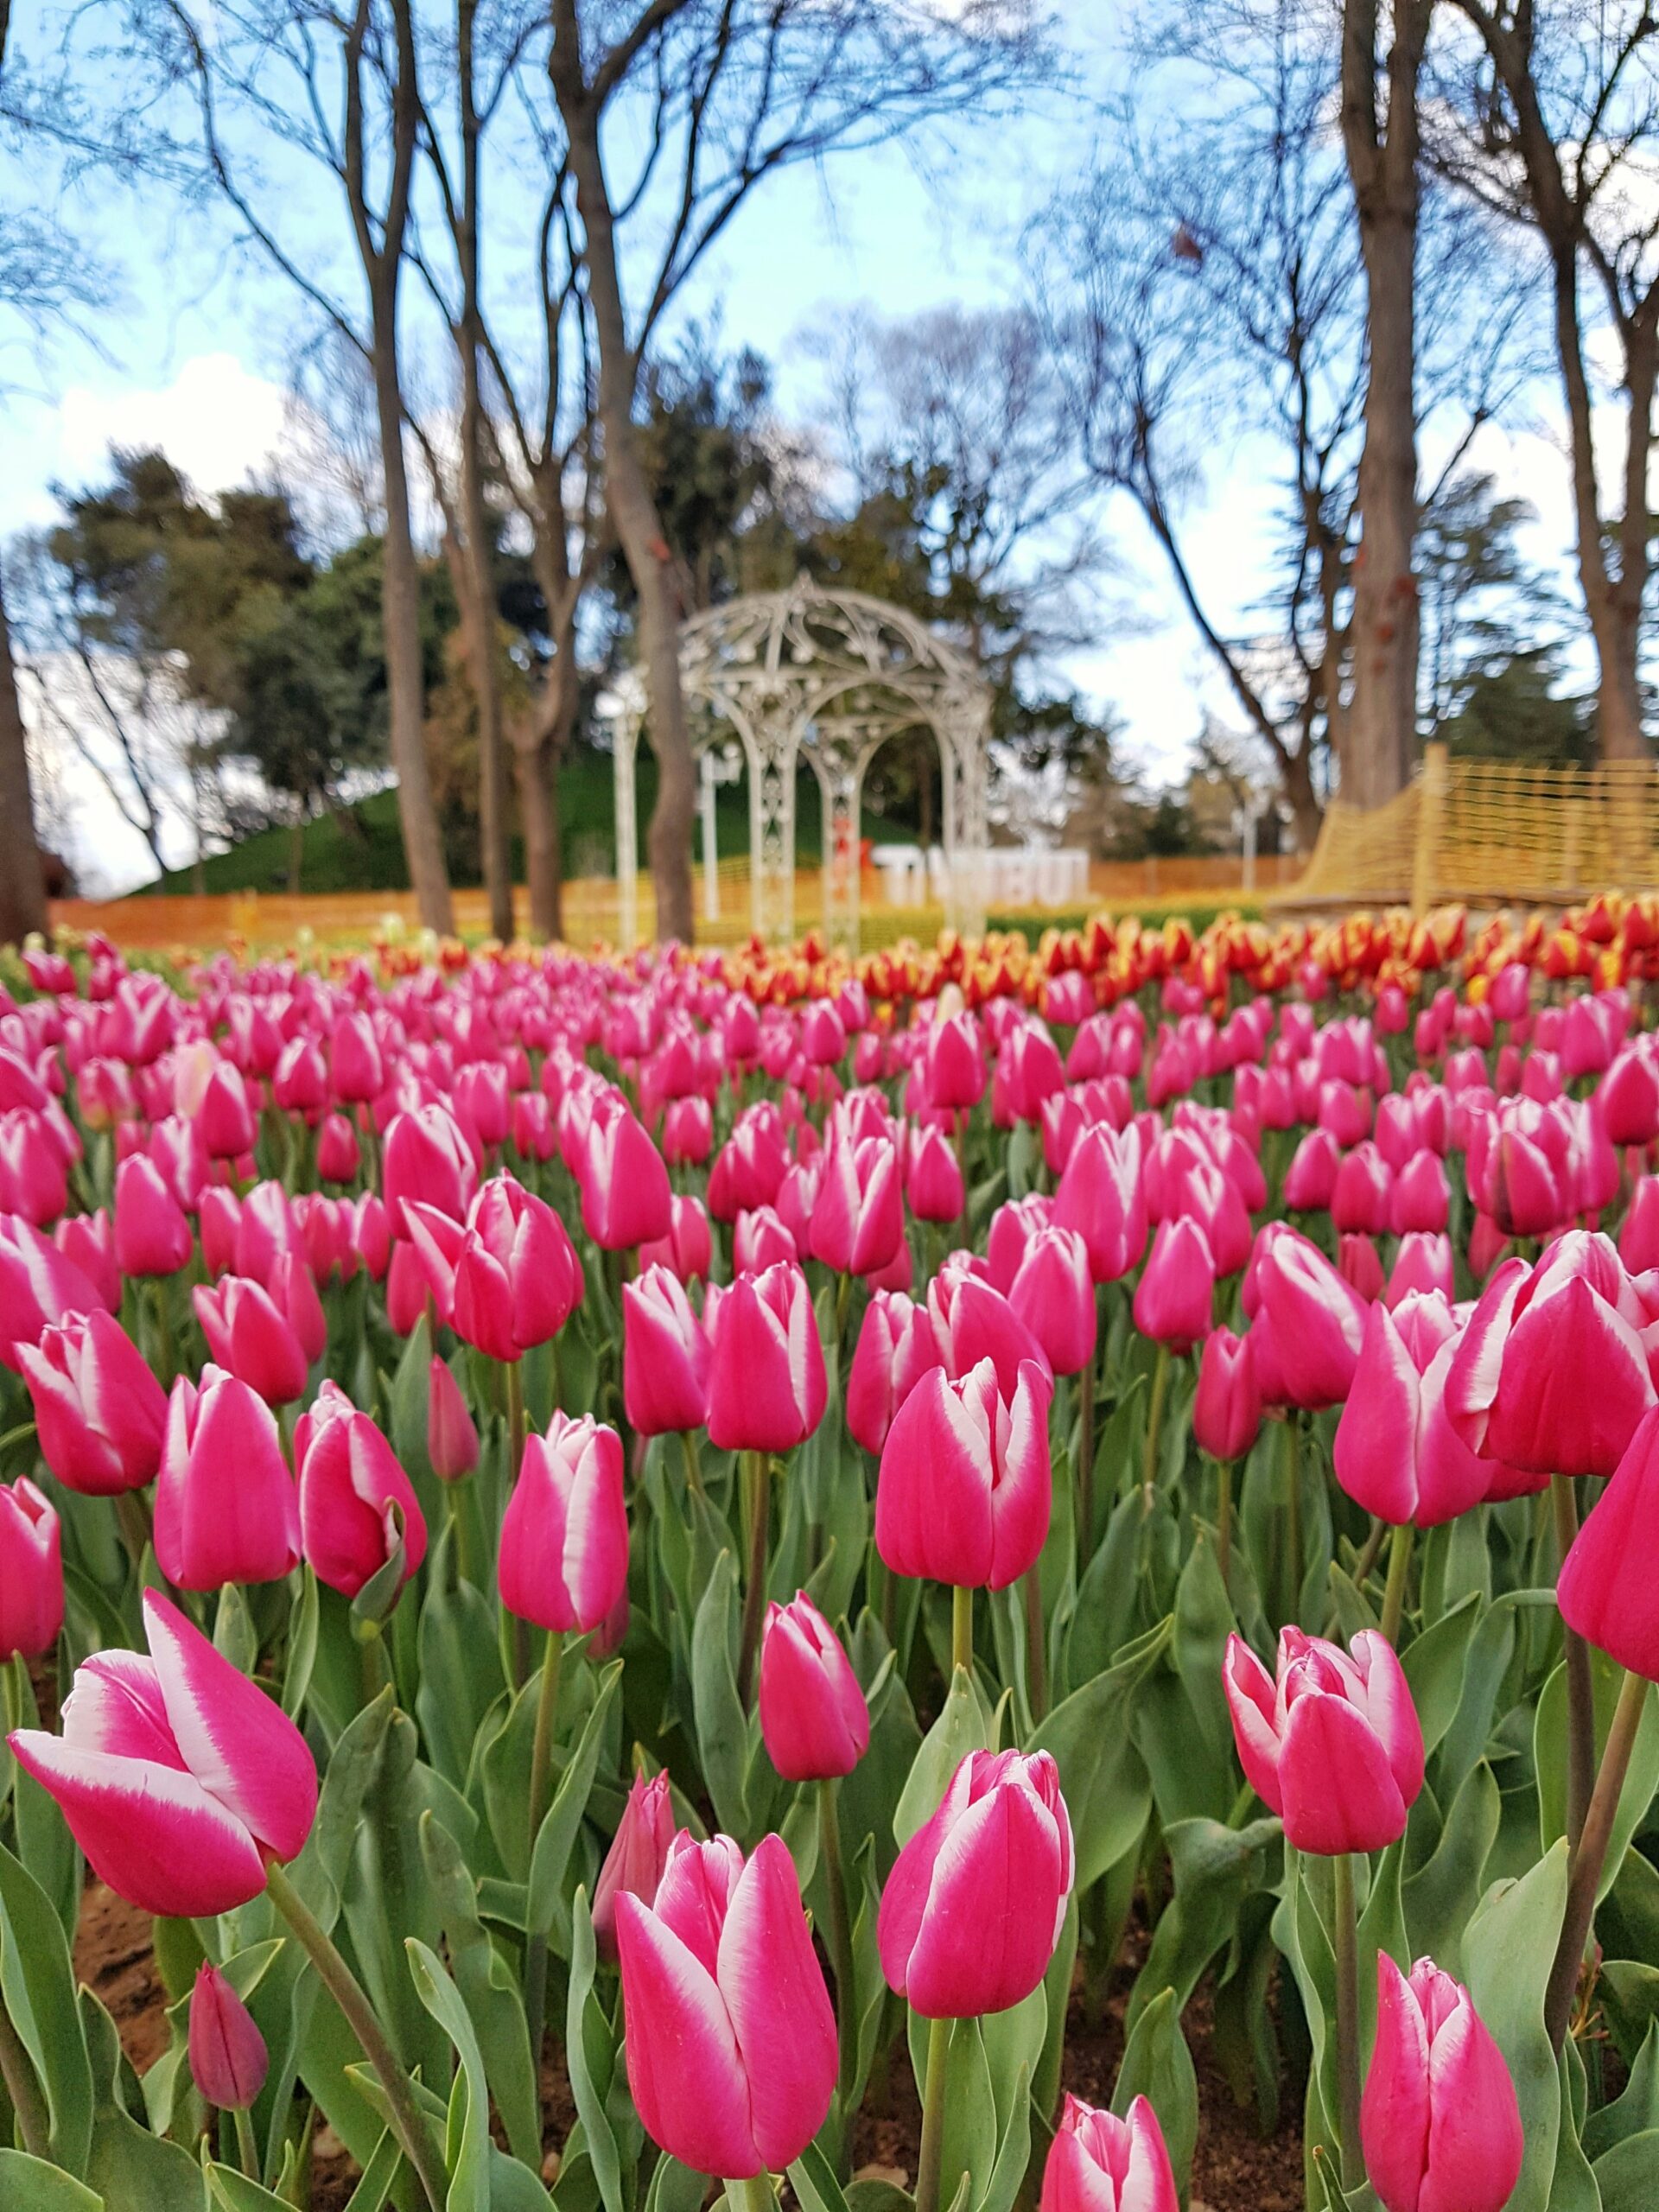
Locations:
(628, 496)
(1381, 730)
(23, 885)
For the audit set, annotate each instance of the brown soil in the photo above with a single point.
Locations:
(1233, 2169)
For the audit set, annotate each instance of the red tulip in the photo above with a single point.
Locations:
(225, 1506)
(228, 2058)
(564, 1535)
(814, 1720)
(1099, 2163)
(355, 1500)
(1333, 1746)
(1439, 2121)
(731, 2039)
(963, 1493)
(99, 1411)
(634, 1865)
(972, 1910)
(766, 1384)
(31, 1572)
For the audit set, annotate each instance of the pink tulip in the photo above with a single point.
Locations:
(355, 1067)
(1638, 1240)
(31, 1572)
(761, 1240)
(564, 1535)
(1439, 2121)
(814, 1720)
(1012, 1228)
(152, 1236)
(1608, 1590)
(1422, 1262)
(766, 1384)
(1308, 1322)
(973, 1908)
(225, 1506)
(1395, 1452)
(953, 1063)
(1311, 1178)
(1099, 2163)
(1552, 1372)
(731, 2038)
(750, 1165)
(356, 1503)
(973, 1321)
(426, 1157)
(896, 1347)
(1360, 1265)
(859, 1218)
(963, 1493)
(664, 1355)
(634, 1865)
(1333, 1746)
(1053, 1294)
(38, 1287)
(451, 1433)
(88, 1240)
(223, 1112)
(178, 1776)
(1362, 1199)
(625, 1190)
(99, 1411)
(507, 1281)
(1174, 1296)
(933, 1177)
(687, 1248)
(338, 1154)
(1227, 1410)
(247, 1334)
(1100, 1196)
(228, 2058)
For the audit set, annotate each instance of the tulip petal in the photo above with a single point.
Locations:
(1339, 1791)
(1394, 2118)
(775, 1991)
(1475, 2140)
(684, 2068)
(933, 1495)
(981, 1947)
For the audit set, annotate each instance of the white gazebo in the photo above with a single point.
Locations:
(830, 676)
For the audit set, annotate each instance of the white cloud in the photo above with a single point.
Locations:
(217, 422)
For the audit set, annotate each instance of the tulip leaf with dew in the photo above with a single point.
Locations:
(1439, 1898)
(488, 1989)
(1158, 2065)
(230, 2192)
(963, 1726)
(590, 2057)
(37, 1987)
(1103, 1777)
(722, 1725)
(1635, 2111)
(549, 1911)
(127, 2165)
(28, 2184)
(970, 2142)
(1507, 1950)
(467, 2141)
(1627, 2176)
(1549, 1756)
(1213, 1869)
(1434, 1664)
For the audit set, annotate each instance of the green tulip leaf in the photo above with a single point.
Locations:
(1158, 2065)
(37, 1983)
(31, 2185)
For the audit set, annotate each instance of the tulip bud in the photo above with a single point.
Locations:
(225, 1506)
(1099, 2163)
(338, 1151)
(964, 1489)
(858, 1220)
(1308, 1322)
(1395, 1452)
(687, 1248)
(355, 1500)
(1173, 1298)
(1227, 1409)
(767, 1383)
(451, 1434)
(996, 1855)
(625, 1198)
(249, 1336)
(1439, 2122)
(564, 1535)
(934, 1178)
(1100, 1196)
(731, 2037)
(1054, 1295)
(88, 1240)
(228, 2058)
(31, 1572)
(1333, 1746)
(896, 1347)
(152, 1236)
(953, 1062)
(99, 1411)
(39, 1286)
(426, 1157)
(814, 1720)
(664, 1355)
(634, 1865)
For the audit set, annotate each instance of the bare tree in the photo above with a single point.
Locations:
(1553, 119)
(732, 91)
(1381, 140)
(342, 87)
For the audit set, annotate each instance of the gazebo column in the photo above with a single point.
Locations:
(963, 749)
(839, 759)
(624, 728)
(771, 741)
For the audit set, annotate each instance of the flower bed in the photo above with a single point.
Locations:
(911, 1579)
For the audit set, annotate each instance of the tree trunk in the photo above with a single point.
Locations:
(22, 886)
(1381, 732)
(633, 512)
(1296, 780)
(400, 616)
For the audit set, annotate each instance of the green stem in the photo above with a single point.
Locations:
(247, 2147)
(962, 1629)
(1580, 1689)
(841, 1936)
(754, 1597)
(28, 2099)
(1154, 1422)
(166, 1359)
(541, 1758)
(1086, 1465)
(1394, 1597)
(1036, 1663)
(1589, 1856)
(1224, 1520)
(1372, 1552)
(693, 1465)
(133, 1515)
(1294, 1536)
(458, 1519)
(516, 1427)
(754, 2195)
(932, 2151)
(1347, 1950)
(408, 2121)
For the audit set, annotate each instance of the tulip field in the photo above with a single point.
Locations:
(969, 1580)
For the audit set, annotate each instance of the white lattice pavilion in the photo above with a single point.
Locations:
(827, 677)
